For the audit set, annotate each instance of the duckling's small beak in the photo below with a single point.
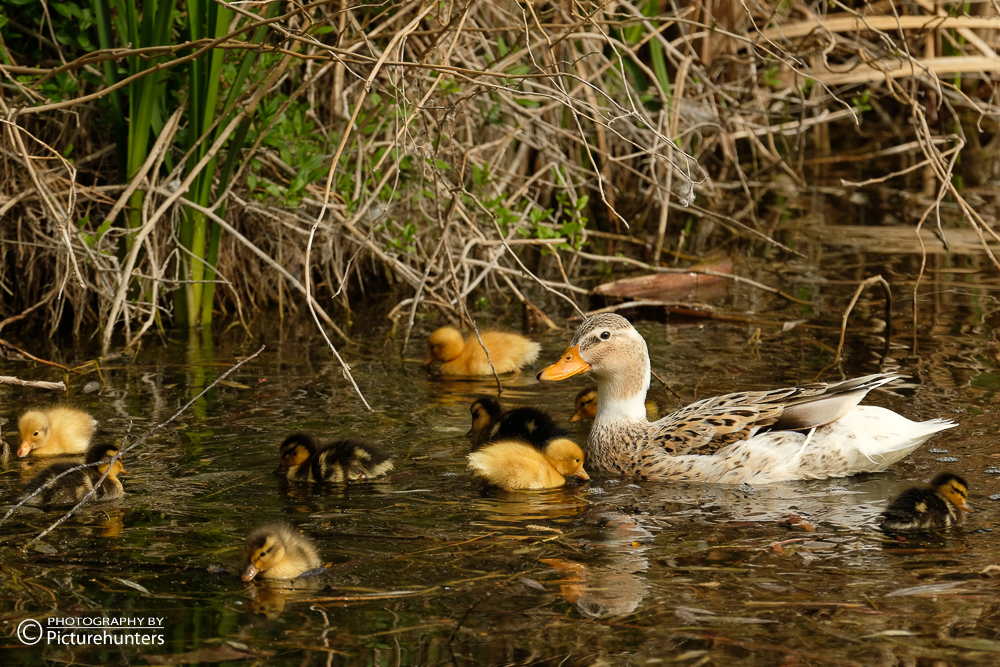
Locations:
(429, 360)
(576, 416)
(250, 572)
(24, 449)
(965, 507)
(569, 365)
(581, 473)
(123, 472)
(470, 433)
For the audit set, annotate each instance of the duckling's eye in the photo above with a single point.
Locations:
(605, 335)
(35, 434)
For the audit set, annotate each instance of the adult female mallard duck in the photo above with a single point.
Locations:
(338, 462)
(278, 551)
(809, 432)
(919, 508)
(508, 352)
(72, 487)
(55, 431)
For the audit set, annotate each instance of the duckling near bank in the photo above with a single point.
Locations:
(508, 351)
(278, 551)
(55, 431)
(514, 465)
(338, 462)
(586, 406)
(72, 487)
(758, 437)
(920, 508)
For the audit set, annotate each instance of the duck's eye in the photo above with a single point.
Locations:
(605, 335)
(35, 434)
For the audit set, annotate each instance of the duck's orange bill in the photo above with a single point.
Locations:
(569, 365)
(965, 506)
(429, 360)
(24, 449)
(581, 473)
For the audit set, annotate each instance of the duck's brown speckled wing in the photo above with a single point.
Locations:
(708, 425)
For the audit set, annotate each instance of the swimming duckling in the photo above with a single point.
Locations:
(278, 551)
(919, 508)
(338, 462)
(71, 488)
(512, 465)
(55, 431)
(508, 351)
(491, 423)
(586, 406)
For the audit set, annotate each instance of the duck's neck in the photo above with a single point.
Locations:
(621, 393)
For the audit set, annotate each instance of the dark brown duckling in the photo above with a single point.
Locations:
(338, 462)
(278, 551)
(922, 508)
(72, 487)
(532, 426)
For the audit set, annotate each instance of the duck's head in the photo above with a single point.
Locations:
(104, 454)
(444, 344)
(586, 404)
(264, 551)
(484, 410)
(566, 457)
(954, 488)
(34, 429)
(608, 345)
(295, 450)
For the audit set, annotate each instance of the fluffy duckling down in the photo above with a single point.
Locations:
(508, 351)
(73, 486)
(337, 462)
(919, 508)
(521, 448)
(492, 423)
(55, 431)
(513, 465)
(278, 551)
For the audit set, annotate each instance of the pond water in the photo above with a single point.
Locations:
(428, 568)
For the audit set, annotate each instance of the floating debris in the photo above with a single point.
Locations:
(947, 459)
(993, 470)
(936, 450)
(995, 496)
(746, 488)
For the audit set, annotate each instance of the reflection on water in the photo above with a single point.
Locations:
(425, 566)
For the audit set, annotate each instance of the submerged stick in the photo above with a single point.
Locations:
(121, 451)
(37, 384)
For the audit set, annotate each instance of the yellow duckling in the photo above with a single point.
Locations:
(919, 508)
(55, 431)
(71, 488)
(513, 465)
(586, 406)
(338, 462)
(758, 437)
(521, 448)
(508, 351)
(278, 551)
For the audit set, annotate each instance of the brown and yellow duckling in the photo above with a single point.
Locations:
(72, 487)
(921, 508)
(586, 406)
(278, 551)
(521, 448)
(55, 431)
(508, 351)
(338, 462)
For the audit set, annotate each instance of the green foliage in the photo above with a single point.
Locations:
(861, 103)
